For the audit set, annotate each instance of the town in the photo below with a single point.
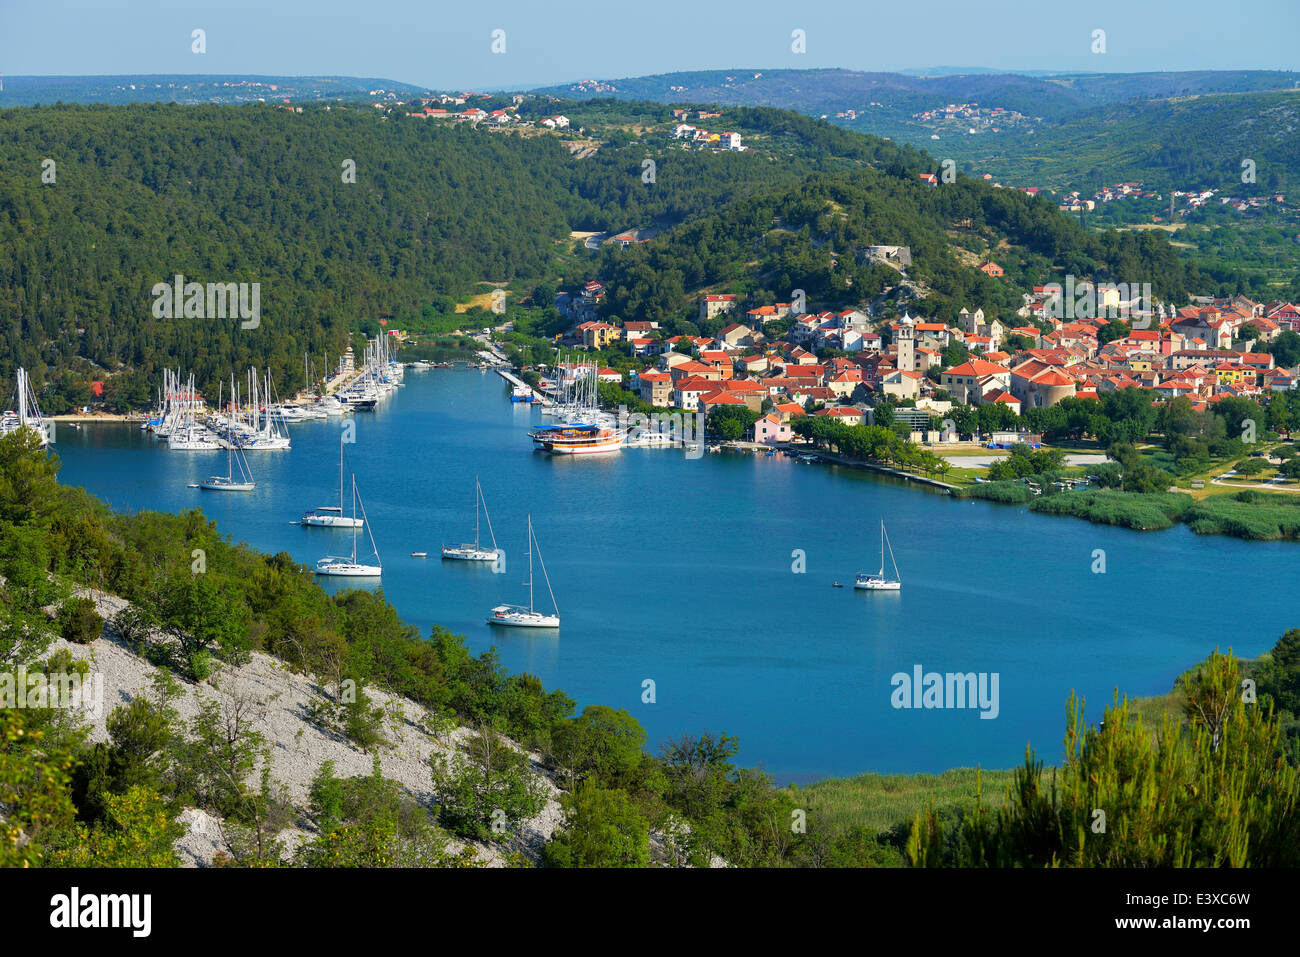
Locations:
(781, 363)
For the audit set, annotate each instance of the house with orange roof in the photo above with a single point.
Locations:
(788, 410)
(990, 268)
(963, 382)
(1048, 388)
(1002, 397)
(597, 335)
(655, 387)
(695, 370)
(688, 390)
(902, 383)
(715, 303)
(845, 415)
(712, 400)
(808, 396)
(771, 428)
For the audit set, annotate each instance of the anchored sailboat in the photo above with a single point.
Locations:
(331, 516)
(228, 482)
(517, 616)
(878, 581)
(349, 567)
(474, 553)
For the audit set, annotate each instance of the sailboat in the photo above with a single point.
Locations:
(331, 516)
(348, 566)
(517, 616)
(878, 581)
(228, 482)
(473, 553)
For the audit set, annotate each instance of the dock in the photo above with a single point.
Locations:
(538, 398)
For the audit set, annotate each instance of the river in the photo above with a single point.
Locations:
(712, 578)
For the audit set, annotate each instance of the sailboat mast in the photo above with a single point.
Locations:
(530, 564)
(478, 495)
(354, 520)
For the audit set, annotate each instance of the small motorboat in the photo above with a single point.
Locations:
(419, 554)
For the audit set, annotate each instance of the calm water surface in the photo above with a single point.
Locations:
(680, 571)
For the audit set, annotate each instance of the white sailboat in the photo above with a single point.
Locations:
(331, 516)
(474, 553)
(28, 415)
(878, 581)
(517, 616)
(228, 482)
(349, 567)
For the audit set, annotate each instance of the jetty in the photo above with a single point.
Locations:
(538, 398)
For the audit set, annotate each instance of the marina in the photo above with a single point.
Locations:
(682, 571)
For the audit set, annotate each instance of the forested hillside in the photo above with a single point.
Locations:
(812, 237)
(1173, 143)
(257, 194)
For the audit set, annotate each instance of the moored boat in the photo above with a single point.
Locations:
(348, 566)
(466, 552)
(878, 581)
(517, 616)
(576, 439)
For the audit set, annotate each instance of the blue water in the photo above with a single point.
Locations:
(680, 571)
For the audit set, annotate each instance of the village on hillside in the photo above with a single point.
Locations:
(782, 364)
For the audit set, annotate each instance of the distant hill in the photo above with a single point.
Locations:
(1168, 130)
(829, 91)
(192, 89)
(1192, 142)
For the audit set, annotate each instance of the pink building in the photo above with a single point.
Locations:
(770, 429)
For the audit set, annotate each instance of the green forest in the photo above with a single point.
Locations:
(108, 201)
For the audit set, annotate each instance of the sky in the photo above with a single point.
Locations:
(444, 45)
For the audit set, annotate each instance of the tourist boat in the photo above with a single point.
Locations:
(228, 482)
(517, 616)
(349, 567)
(474, 553)
(331, 516)
(878, 581)
(521, 393)
(576, 439)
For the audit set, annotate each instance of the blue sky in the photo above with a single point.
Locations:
(443, 45)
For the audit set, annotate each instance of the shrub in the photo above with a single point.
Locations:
(79, 622)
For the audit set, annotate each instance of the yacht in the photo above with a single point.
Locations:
(348, 566)
(228, 482)
(878, 581)
(331, 516)
(474, 553)
(517, 616)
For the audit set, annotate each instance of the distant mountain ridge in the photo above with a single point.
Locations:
(1050, 96)
(192, 89)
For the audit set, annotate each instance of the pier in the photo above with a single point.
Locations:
(538, 398)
